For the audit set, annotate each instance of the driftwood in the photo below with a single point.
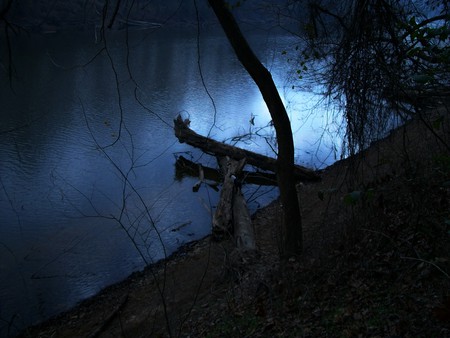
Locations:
(223, 216)
(231, 214)
(201, 178)
(244, 235)
(185, 167)
(185, 134)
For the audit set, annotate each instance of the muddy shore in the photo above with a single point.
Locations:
(375, 262)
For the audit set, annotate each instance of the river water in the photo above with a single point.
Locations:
(87, 180)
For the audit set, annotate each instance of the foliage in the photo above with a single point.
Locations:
(381, 61)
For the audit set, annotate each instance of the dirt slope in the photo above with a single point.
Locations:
(376, 262)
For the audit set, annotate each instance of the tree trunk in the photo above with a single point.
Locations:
(292, 231)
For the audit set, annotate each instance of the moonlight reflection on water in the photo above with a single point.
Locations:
(83, 208)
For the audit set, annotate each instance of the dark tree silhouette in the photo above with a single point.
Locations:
(292, 229)
(378, 59)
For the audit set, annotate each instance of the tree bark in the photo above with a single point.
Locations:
(244, 235)
(185, 167)
(231, 215)
(292, 230)
(223, 216)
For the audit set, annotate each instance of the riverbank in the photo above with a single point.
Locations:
(376, 261)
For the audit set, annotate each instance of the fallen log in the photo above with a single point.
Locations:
(201, 179)
(232, 215)
(223, 216)
(210, 146)
(244, 234)
(184, 167)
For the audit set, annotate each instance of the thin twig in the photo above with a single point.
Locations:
(428, 262)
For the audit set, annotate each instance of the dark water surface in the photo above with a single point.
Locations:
(87, 179)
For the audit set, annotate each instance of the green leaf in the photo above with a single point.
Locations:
(413, 51)
(321, 194)
(422, 78)
(369, 194)
(353, 197)
(442, 161)
(444, 34)
(438, 123)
